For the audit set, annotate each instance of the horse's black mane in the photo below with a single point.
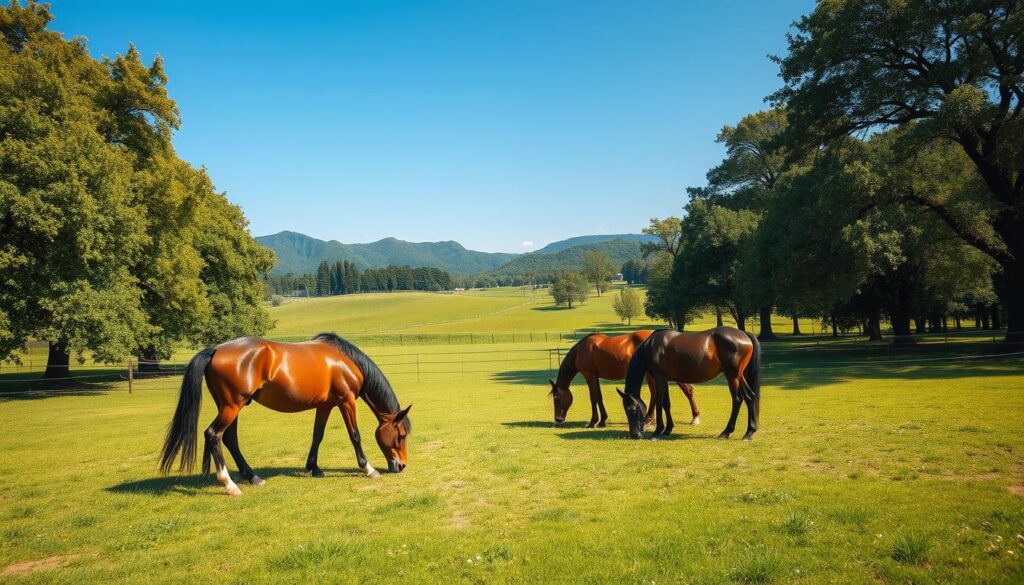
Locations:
(638, 365)
(568, 363)
(375, 386)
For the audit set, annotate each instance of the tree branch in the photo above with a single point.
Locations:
(999, 255)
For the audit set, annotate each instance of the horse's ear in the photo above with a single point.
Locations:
(401, 415)
(620, 393)
(553, 387)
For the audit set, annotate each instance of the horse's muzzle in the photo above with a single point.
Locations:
(395, 466)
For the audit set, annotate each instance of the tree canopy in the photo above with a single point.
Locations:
(110, 243)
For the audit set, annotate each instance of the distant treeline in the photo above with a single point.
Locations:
(344, 277)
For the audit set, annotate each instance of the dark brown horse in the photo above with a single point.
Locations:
(598, 356)
(321, 374)
(672, 356)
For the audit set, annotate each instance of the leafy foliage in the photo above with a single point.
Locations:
(628, 304)
(110, 243)
(569, 288)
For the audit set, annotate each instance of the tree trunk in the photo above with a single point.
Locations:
(835, 328)
(900, 318)
(796, 326)
(57, 362)
(956, 323)
(919, 324)
(874, 326)
(765, 317)
(718, 316)
(996, 321)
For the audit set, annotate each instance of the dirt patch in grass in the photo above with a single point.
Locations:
(1017, 490)
(26, 567)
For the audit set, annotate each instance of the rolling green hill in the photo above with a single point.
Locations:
(298, 253)
(576, 241)
(570, 258)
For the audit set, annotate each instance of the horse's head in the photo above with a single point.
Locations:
(562, 399)
(392, 435)
(636, 410)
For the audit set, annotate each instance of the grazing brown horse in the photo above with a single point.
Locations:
(598, 356)
(321, 374)
(669, 355)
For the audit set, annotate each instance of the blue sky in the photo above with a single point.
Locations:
(489, 123)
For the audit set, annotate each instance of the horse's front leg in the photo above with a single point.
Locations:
(654, 401)
(666, 400)
(688, 391)
(600, 405)
(595, 399)
(322, 414)
(348, 413)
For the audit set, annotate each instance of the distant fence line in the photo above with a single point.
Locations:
(424, 366)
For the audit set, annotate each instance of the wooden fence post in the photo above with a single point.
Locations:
(130, 376)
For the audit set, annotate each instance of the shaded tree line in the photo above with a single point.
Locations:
(885, 183)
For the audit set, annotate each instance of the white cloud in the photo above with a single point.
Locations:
(526, 244)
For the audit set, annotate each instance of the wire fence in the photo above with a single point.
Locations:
(513, 363)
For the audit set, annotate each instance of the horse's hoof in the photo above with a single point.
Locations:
(591, 425)
(315, 472)
(374, 474)
(602, 424)
(748, 438)
(257, 481)
(723, 436)
(695, 421)
(233, 490)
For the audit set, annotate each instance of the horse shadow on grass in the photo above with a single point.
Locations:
(608, 434)
(192, 485)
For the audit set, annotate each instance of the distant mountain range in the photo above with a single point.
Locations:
(299, 254)
(571, 257)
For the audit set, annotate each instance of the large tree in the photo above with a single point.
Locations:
(110, 243)
(957, 67)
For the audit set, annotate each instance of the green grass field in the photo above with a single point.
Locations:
(866, 470)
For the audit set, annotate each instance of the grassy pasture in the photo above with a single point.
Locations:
(862, 473)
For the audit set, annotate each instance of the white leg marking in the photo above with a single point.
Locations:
(225, 479)
(370, 471)
(695, 421)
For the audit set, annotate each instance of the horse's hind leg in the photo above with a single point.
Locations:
(231, 442)
(322, 414)
(213, 435)
(751, 401)
(688, 391)
(734, 390)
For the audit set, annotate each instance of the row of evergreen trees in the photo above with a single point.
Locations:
(344, 277)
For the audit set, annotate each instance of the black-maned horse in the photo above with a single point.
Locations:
(692, 358)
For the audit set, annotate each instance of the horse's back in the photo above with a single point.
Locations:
(287, 377)
(611, 355)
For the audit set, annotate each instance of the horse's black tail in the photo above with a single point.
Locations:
(181, 436)
(752, 375)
